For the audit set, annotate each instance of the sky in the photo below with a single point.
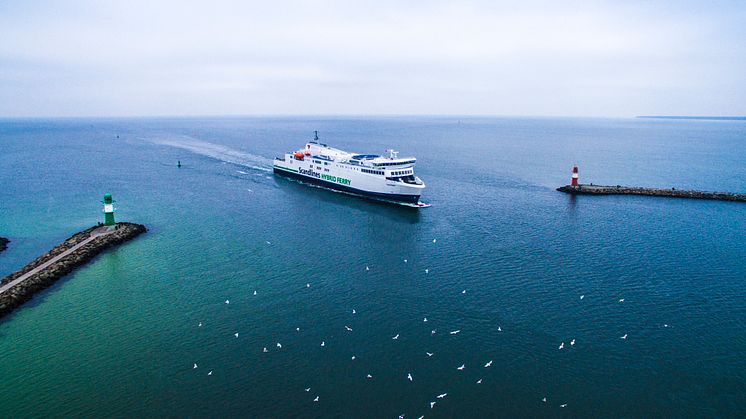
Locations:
(517, 58)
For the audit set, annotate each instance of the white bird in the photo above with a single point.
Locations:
(432, 404)
(463, 292)
(456, 332)
(308, 389)
(349, 329)
(582, 296)
(479, 381)
(625, 336)
(499, 329)
(265, 349)
(316, 399)
(424, 319)
(367, 268)
(297, 329)
(427, 270)
(429, 353)
(227, 301)
(440, 396)
(432, 332)
(209, 373)
(396, 337)
(268, 242)
(195, 367)
(487, 365)
(353, 311)
(621, 300)
(322, 343)
(563, 405)
(544, 399)
(461, 368)
(308, 285)
(278, 345)
(353, 357)
(409, 376)
(562, 345)
(572, 342)
(434, 240)
(235, 334)
(369, 376)
(405, 261)
(200, 324)
(255, 292)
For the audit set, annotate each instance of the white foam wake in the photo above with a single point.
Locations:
(217, 151)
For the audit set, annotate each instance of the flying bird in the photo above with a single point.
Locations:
(427, 270)
(235, 334)
(405, 261)
(227, 301)
(353, 311)
(582, 296)
(463, 292)
(625, 336)
(424, 319)
(434, 240)
(455, 332)
(316, 399)
(440, 396)
(572, 342)
(563, 405)
(369, 376)
(479, 381)
(254, 292)
(432, 332)
(200, 324)
(432, 404)
(396, 337)
(367, 268)
(322, 343)
(308, 389)
(268, 242)
(562, 345)
(487, 365)
(278, 345)
(265, 349)
(429, 353)
(409, 376)
(209, 373)
(621, 300)
(461, 368)
(308, 285)
(544, 399)
(349, 329)
(195, 367)
(499, 329)
(353, 357)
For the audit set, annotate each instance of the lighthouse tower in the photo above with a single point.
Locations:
(108, 210)
(574, 176)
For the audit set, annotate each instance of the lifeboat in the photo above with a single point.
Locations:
(298, 155)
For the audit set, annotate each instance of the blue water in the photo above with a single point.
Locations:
(119, 337)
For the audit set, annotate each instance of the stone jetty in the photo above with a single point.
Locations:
(20, 286)
(3, 243)
(584, 189)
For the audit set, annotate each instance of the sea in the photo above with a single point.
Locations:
(252, 295)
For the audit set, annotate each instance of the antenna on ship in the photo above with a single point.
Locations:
(316, 136)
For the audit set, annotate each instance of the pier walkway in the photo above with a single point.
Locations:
(101, 231)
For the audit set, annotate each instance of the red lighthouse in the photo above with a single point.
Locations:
(574, 176)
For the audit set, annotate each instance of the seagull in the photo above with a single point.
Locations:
(434, 240)
(563, 405)
(297, 329)
(195, 367)
(562, 345)
(427, 270)
(499, 329)
(455, 332)
(625, 336)
(432, 332)
(235, 334)
(582, 296)
(265, 349)
(353, 311)
(409, 376)
(544, 399)
(349, 329)
(308, 389)
(463, 292)
(209, 373)
(227, 301)
(268, 242)
(666, 325)
(432, 404)
(367, 268)
(200, 324)
(479, 381)
(621, 300)
(255, 292)
(308, 285)
(489, 364)
(440, 396)
(369, 376)
(396, 337)
(322, 343)
(424, 319)
(461, 368)
(316, 399)
(278, 345)
(353, 357)
(572, 342)
(429, 353)
(405, 261)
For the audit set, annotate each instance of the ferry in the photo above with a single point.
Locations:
(388, 178)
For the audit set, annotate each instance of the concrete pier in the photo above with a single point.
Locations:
(21, 285)
(672, 193)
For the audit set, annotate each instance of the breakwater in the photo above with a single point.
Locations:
(3, 243)
(20, 286)
(672, 193)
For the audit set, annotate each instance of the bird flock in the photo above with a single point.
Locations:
(315, 398)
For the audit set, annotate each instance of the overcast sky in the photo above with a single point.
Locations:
(620, 58)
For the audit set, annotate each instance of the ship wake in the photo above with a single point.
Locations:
(217, 152)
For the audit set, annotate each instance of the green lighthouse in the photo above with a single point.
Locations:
(108, 210)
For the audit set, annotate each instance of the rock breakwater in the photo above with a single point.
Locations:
(672, 193)
(20, 286)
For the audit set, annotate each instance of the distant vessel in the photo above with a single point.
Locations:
(388, 178)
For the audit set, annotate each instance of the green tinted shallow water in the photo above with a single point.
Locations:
(119, 337)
